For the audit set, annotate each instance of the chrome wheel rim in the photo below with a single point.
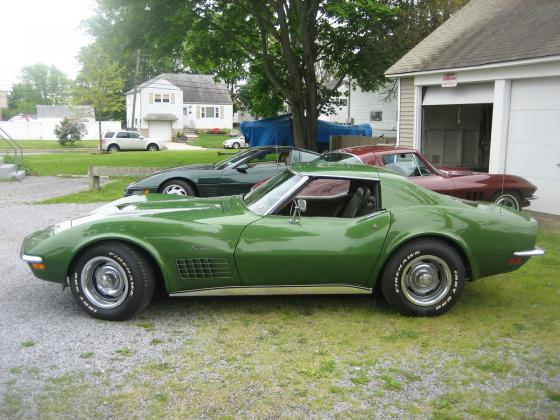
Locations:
(426, 280)
(104, 282)
(152, 148)
(175, 190)
(236, 145)
(507, 201)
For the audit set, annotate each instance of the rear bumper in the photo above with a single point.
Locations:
(537, 252)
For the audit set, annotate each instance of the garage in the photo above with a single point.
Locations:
(160, 130)
(533, 147)
(160, 125)
(457, 125)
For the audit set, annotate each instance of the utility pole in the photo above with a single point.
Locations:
(136, 71)
(348, 117)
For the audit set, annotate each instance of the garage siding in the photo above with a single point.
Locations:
(406, 117)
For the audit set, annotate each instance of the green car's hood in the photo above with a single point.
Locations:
(160, 206)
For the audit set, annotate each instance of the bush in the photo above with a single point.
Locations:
(212, 131)
(69, 131)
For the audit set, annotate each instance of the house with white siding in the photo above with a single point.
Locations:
(483, 92)
(356, 106)
(172, 102)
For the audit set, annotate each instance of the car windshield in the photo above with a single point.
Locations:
(263, 198)
(341, 158)
(233, 159)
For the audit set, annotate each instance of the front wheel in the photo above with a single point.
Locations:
(112, 281)
(509, 199)
(423, 278)
(236, 145)
(153, 147)
(177, 187)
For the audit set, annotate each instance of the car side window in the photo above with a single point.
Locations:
(133, 136)
(424, 170)
(109, 134)
(404, 164)
(122, 135)
(342, 198)
(269, 158)
(299, 156)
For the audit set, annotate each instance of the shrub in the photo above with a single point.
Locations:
(69, 131)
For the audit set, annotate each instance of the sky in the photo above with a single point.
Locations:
(41, 31)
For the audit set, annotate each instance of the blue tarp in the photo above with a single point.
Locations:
(278, 131)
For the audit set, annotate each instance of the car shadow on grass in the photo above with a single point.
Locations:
(231, 306)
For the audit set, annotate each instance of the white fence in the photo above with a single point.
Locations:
(44, 130)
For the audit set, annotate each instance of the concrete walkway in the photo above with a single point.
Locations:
(180, 146)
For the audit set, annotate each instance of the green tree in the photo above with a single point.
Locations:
(99, 83)
(38, 84)
(298, 52)
(69, 131)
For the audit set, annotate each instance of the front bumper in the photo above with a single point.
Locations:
(32, 259)
(132, 190)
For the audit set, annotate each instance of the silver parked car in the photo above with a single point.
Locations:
(113, 141)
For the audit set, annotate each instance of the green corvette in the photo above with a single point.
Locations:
(317, 228)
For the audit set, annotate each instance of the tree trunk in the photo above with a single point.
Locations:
(298, 125)
(100, 135)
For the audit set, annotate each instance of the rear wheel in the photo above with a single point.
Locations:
(177, 187)
(423, 278)
(113, 148)
(152, 147)
(112, 281)
(510, 199)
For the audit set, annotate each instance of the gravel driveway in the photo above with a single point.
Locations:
(43, 332)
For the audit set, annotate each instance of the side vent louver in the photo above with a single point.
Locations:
(204, 268)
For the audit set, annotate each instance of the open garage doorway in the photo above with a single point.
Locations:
(458, 135)
(457, 126)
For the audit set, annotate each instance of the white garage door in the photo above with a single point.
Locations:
(533, 149)
(160, 130)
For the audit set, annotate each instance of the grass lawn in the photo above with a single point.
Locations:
(111, 191)
(78, 163)
(210, 140)
(51, 144)
(494, 355)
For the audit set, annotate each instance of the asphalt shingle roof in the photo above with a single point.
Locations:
(486, 32)
(197, 88)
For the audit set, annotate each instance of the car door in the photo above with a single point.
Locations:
(123, 140)
(239, 178)
(314, 250)
(136, 142)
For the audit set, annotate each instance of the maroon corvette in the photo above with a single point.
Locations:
(507, 190)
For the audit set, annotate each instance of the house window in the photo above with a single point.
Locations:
(160, 98)
(376, 116)
(343, 102)
(210, 112)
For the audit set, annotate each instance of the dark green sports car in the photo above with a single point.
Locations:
(313, 228)
(235, 175)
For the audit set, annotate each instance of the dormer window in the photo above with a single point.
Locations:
(162, 98)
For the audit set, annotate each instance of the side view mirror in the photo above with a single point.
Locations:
(299, 207)
(243, 168)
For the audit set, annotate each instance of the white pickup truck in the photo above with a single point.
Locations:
(113, 141)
